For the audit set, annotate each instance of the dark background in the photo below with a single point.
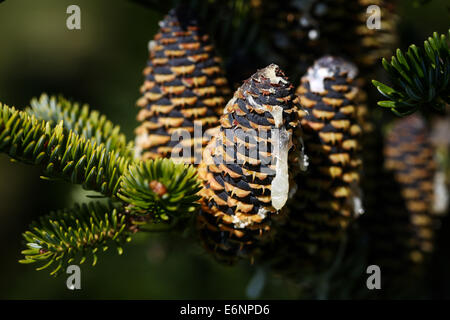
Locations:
(101, 65)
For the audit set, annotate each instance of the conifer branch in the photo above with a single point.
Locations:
(75, 235)
(160, 188)
(83, 121)
(420, 77)
(152, 191)
(62, 153)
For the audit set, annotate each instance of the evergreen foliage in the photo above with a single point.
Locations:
(60, 152)
(75, 235)
(160, 188)
(71, 142)
(83, 121)
(420, 77)
(97, 161)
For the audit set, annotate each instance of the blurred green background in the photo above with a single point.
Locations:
(101, 65)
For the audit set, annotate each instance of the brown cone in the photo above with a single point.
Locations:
(241, 177)
(184, 85)
(328, 196)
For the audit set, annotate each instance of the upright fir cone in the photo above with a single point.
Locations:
(409, 199)
(328, 196)
(340, 27)
(368, 40)
(248, 167)
(184, 85)
(402, 231)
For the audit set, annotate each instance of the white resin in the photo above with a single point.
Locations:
(280, 183)
(325, 68)
(441, 197)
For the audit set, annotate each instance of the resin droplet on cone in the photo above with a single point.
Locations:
(184, 86)
(248, 166)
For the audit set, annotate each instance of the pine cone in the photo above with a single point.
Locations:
(295, 24)
(328, 196)
(248, 167)
(332, 139)
(336, 27)
(402, 231)
(184, 85)
(409, 159)
(374, 44)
